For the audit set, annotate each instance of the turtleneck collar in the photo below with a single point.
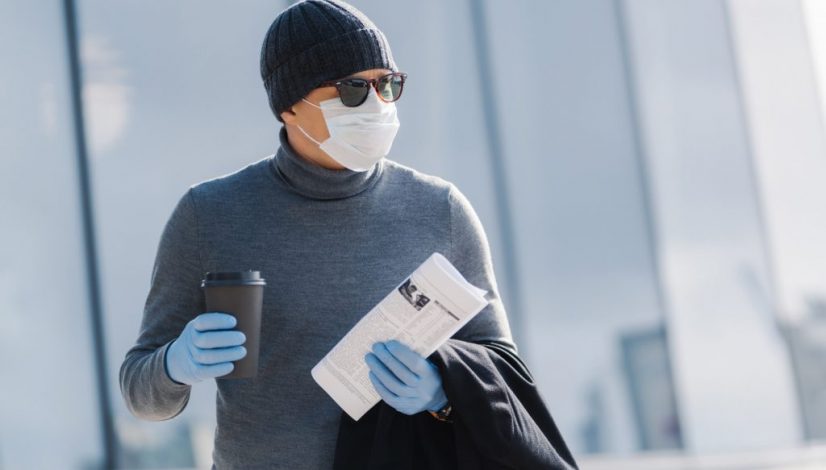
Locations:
(317, 182)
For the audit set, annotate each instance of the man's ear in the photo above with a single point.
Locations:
(288, 116)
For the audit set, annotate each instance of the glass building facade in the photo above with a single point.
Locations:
(649, 175)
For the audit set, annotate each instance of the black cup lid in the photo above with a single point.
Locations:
(248, 277)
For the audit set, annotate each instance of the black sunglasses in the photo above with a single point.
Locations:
(353, 91)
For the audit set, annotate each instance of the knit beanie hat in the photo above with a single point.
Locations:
(317, 40)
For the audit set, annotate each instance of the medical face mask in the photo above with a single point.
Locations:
(359, 136)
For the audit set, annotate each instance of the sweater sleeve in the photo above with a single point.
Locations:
(174, 298)
(470, 254)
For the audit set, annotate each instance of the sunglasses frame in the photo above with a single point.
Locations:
(372, 83)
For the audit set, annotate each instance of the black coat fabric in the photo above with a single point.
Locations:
(499, 421)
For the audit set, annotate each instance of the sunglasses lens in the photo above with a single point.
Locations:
(390, 87)
(353, 92)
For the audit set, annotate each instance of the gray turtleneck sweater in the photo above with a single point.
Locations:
(330, 244)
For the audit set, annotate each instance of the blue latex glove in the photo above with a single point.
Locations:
(404, 379)
(205, 349)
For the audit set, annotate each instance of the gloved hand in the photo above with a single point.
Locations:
(205, 349)
(404, 379)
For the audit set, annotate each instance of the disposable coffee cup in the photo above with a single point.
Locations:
(240, 294)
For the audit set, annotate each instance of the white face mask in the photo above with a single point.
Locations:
(359, 136)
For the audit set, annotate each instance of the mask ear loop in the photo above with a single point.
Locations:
(311, 104)
(302, 129)
(308, 135)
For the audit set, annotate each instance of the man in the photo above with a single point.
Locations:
(322, 220)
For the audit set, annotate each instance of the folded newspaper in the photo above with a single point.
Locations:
(426, 309)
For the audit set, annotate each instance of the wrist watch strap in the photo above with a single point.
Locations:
(443, 414)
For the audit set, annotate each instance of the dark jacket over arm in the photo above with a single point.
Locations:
(499, 420)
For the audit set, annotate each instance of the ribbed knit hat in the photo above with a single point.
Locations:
(317, 40)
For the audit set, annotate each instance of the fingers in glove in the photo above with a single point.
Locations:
(404, 405)
(219, 355)
(387, 378)
(218, 339)
(214, 321)
(411, 359)
(399, 369)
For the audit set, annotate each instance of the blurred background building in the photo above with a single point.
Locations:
(650, 175)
